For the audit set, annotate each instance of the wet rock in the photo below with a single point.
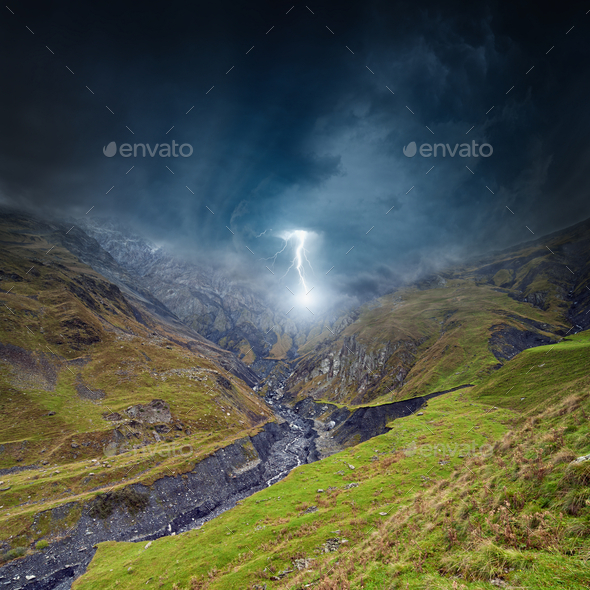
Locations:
(113, 417)
(302, 564)
(369, 421)
(331, 545)
(507, 341)
(156, 411)
(171, 504)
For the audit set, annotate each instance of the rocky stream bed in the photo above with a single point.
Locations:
(179, 503)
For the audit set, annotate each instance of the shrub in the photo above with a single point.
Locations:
(12, 554)
(485, 562)
(105, 504)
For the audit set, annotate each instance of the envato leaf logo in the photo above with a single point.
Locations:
(410, 149)
(110, 150)
(164, 150)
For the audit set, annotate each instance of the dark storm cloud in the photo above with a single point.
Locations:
(304, 132)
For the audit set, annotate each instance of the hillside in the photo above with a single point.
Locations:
(132, 443)
(100, 386)
(478, 490)
(451, 329)
(222, 309)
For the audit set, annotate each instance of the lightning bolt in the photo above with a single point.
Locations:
(300, 255)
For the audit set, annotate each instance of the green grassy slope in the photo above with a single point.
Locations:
(476, 488)
(417, 341)
(444, 331)
(75, 349)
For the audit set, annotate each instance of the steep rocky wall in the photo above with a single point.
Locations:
(336, 369)
(363, 423)
(142, 513)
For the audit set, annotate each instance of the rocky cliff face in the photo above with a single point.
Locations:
(352, 370)
(170, 505)
(223, 311)
(550, 272)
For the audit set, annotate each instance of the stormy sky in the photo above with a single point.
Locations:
(295, 117)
